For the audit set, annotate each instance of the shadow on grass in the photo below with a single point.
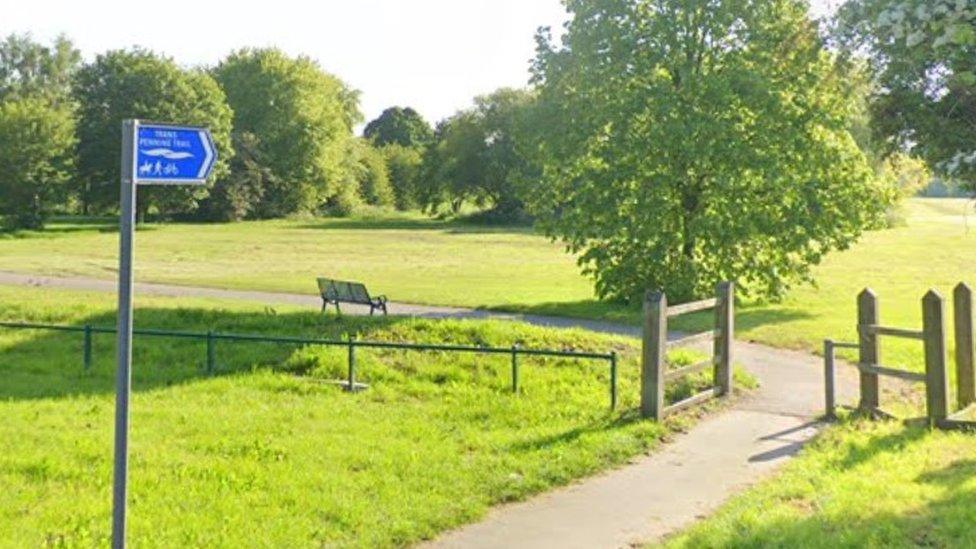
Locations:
(37, 364)
(586, 309)
(890, 443)
(72, 227)
(746, 318)
(407, 224)
(628, 417)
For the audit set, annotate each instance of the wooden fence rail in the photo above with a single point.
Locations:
(654, 368)
(933, 337)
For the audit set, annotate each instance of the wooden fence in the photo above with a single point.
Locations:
(655, 373)
(933, 339)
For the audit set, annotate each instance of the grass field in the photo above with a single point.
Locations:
(861, 484)
(407, 257)
(414, 259)
(259, 455)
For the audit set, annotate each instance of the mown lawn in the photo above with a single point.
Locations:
(407, 257)
(414, 259)
(259, 455)
(861, 484)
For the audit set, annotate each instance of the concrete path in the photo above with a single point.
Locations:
(302, 300)
(653, 496)
(668, 490)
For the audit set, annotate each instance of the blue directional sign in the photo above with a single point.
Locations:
(174, 155)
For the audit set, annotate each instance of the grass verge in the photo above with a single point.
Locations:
(860, 484)
(261, 456)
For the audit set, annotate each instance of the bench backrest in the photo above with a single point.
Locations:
(339, 290)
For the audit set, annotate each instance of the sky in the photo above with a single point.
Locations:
(432, 55)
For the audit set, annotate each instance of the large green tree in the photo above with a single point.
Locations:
(399, 126)
(36, 158)
(482, 155)
(303, 119)
(140, 84)
(692, 141)
(37, 128)
(924, 56)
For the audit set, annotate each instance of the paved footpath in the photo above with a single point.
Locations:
(652, 496)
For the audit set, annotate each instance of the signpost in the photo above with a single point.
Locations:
(152, 154)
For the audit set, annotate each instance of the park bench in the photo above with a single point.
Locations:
(338, 291)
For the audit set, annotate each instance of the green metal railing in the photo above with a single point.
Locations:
(211, 338)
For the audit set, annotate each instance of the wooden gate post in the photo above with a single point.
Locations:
(936, 378)
(653, 358)
(867, 315)
(725, 324)
(962, 299)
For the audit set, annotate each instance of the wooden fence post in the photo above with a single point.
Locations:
(725, 324)
(654, 355)
(962, 299)
(936, 380)
(867, 315)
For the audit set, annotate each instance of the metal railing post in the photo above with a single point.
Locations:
(829, 377)
(515, 370)
(211, 353)
(352, 364)
(87, 348)
(653, 355)
(613, 380)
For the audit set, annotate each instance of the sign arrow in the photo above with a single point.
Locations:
(173, 155)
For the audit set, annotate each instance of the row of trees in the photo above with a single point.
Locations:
(283, 128)
(669, 143)
(479, 156)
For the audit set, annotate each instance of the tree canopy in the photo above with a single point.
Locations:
(31, 69)
(482, 155)
(37, 128)
(924, 56)
(690, 142)
(399, 126)
(303, 118)
(36, 157)
(404, 166)
(137, 83)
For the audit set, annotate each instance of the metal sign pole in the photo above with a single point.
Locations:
(123, 380)
(152, 154)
